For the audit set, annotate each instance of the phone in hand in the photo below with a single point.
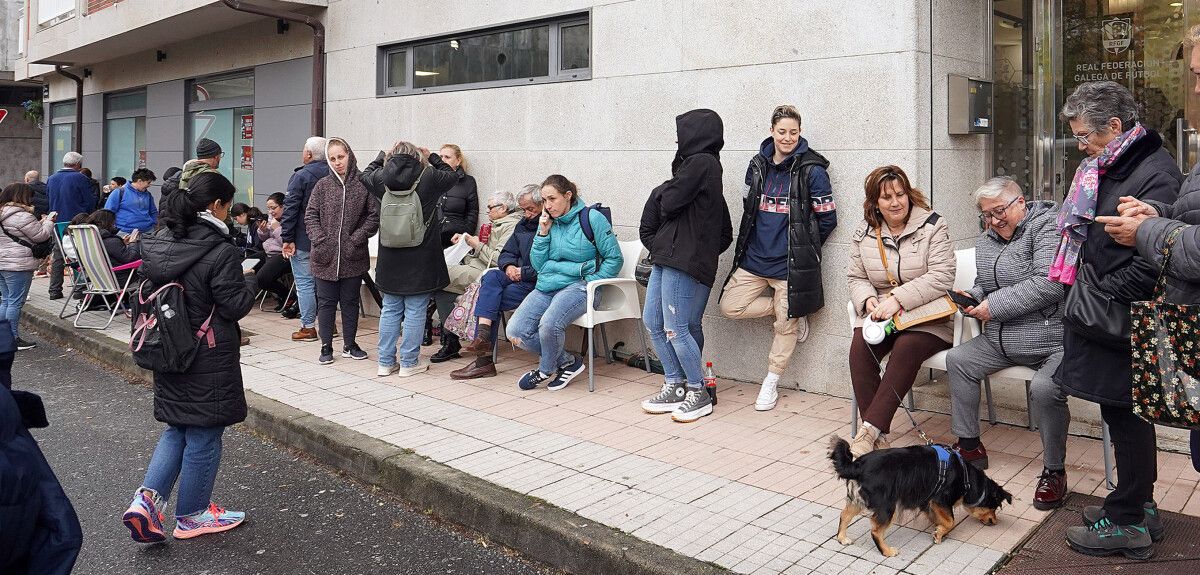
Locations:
(963, 300)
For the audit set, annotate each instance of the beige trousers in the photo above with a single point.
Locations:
(744, 298)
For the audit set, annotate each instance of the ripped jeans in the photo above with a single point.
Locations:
(673, 314)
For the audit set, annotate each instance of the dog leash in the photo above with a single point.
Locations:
(920, 432)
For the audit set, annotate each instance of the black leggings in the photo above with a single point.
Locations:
(329, 295)
(1136, 451)
(271, 271)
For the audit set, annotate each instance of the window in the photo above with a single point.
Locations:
(533, 52)
(220, 89)
(124, 134)
(221, 109)
(49, 11)
(62, 131)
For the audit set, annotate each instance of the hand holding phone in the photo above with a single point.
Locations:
(544, 222)
(963, 300)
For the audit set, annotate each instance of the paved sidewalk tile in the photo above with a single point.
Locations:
(751, 491)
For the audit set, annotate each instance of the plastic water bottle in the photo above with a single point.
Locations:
(710, 382)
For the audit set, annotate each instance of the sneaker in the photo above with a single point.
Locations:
(863, 443)
(1104, 537)
(352, 351)
(326, 355)
(977, 457)
(696, 404)
(1051, 490)
(532, 379)
(144, 520)
(801, 329)
(565, 374)
(421, 367)
(211, 520)
(386, 370)
(23, 345)
(305, 334)
(768, 395)
(668, 398)
(1153, 520)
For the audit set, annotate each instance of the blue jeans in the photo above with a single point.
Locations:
(673, 315)
(14, 288)
(192, 455)
(499, 294)
(540, 324)
(306, 291)
(406, 310)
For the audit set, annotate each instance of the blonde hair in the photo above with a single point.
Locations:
(403, 148)
(1192, 37)
(462, 160)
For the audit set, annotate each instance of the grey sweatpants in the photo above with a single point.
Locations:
(976, 358)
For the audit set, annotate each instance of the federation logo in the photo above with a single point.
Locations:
(1118, 34)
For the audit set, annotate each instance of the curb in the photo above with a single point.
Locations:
(537, 529)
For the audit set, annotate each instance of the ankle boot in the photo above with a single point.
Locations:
(448, 351)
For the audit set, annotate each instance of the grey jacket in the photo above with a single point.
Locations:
(1183, 276)
(1026, 306)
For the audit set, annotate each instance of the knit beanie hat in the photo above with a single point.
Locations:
(207, 148)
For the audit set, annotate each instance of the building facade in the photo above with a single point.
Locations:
(590, 90)
(20, 138)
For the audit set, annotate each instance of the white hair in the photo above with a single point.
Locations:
(315, 146)
(995, 188)
(506, 199)
(32, 176)
(531, 192)
(72, 159)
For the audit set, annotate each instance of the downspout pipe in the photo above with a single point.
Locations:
(318, 56)
(77, 137)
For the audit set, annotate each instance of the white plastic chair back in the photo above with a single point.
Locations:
(620, 299)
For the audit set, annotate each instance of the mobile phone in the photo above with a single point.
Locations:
(963, 301)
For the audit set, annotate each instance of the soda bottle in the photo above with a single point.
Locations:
(710, 382)
(485, 231)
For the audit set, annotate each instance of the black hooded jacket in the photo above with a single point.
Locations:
(209, 267)
(685, 223)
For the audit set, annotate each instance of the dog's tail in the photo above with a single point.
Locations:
(843, 460)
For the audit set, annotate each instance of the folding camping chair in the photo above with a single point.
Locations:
(100, 275)
(69, 262)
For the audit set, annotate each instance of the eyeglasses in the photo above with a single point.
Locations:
(996, 213)
(1084, 138)
(494, 206)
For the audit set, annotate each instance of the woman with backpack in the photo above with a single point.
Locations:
(21, 231)
(408, 276)
(565, 259)
(193, 248)
(340, 218)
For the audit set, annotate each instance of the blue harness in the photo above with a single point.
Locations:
(945, 455)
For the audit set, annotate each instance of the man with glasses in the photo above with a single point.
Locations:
(1022, 311)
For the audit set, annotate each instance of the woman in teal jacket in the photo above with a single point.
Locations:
(565, 260)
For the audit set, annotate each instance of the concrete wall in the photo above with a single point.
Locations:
(20, 146)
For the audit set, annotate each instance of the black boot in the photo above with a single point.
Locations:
(428, 339)
(449, 349)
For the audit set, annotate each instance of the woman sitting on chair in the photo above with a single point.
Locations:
(120, 250)
(274, 265)
(900, 258)
(565, 260)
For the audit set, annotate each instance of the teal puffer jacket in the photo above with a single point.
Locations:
(565, 256)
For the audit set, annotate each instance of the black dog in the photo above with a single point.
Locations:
(931, 479)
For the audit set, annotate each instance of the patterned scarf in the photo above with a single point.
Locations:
(1079, 208)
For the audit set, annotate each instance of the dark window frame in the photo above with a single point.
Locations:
(555, 23)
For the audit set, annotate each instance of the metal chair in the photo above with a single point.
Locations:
(621, 301)
(69, 262)
(100, 273)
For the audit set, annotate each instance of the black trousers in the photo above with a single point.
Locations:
(56, 272)
(1136, 449)
(330, 295)
(271, 271)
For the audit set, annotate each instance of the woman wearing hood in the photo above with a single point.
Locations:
(407, 277)
(680, 219)
(340, 218)
(192, 246)
(788, 214)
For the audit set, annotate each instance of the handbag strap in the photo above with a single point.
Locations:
(883, 256)
(1160, 286)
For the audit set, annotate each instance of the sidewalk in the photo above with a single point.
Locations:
(752, 492)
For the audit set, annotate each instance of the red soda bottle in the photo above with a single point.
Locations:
(710, 382)
(485, 231)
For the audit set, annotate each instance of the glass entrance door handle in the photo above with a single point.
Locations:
(1183, 143)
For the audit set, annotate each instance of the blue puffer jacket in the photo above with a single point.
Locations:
(565, 255)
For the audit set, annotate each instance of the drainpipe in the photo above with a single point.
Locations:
(77, 140)
(318, 57)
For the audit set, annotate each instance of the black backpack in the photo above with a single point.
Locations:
(161, 336)
(585, 222)
(170, 184)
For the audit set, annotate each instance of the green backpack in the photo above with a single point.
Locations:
(401, 220)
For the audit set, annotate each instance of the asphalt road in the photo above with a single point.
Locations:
(301, 517)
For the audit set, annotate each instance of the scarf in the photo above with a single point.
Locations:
(1078, 209)
(207, 216)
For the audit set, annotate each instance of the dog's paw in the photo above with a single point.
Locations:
(937, 538)
(844, 540)
(890, 552)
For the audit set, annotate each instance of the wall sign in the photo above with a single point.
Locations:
(248, 127)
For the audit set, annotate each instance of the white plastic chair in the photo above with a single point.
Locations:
(621, 301)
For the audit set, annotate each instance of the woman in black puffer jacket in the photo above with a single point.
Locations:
(460, 205)
(193, 247)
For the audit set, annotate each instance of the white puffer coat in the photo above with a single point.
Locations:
(19, 221)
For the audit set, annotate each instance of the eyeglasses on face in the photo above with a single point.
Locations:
(996, 213)
(1084, 138)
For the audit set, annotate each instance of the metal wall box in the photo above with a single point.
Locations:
(969, 105)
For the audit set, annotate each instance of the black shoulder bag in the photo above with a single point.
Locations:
(1093, 314)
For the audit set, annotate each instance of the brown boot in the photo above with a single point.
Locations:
(305, 334)
(481, 367)
(481, 344)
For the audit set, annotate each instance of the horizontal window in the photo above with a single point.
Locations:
(542, 51)
(62, 109)
(219, 89)
(49, 10)
(128, 102)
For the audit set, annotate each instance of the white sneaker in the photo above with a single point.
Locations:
(802, 329)
(767, 396)
(386, 370)
(411, 371)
